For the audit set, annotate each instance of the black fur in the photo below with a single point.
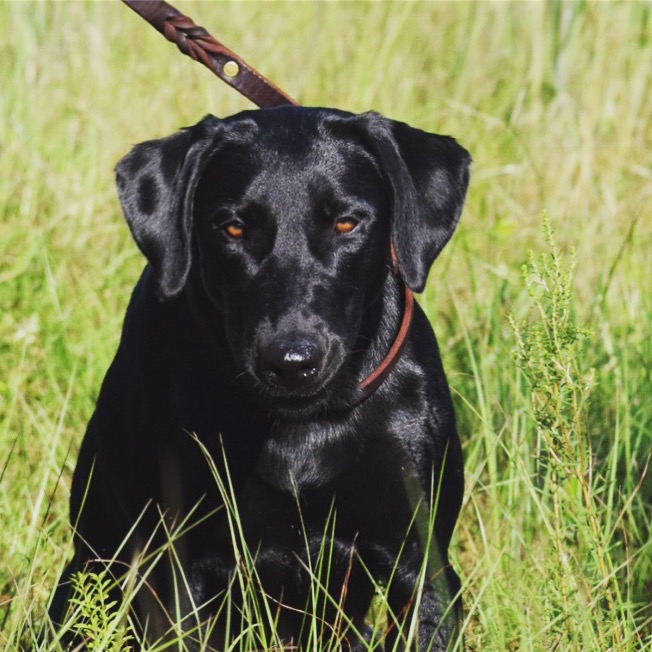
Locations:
(257, 345)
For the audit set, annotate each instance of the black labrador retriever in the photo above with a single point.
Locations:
(268, 298)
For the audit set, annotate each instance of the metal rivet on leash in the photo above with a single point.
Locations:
(231, 69)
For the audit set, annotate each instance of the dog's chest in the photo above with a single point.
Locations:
(365, 501)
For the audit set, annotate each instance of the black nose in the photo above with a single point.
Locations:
(291, 361)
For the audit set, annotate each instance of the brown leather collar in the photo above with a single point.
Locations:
(198, 44)
(375, 379)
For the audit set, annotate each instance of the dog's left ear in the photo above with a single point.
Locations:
(428, 175)
(156, 184)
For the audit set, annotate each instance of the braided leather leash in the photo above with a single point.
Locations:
(198, 44)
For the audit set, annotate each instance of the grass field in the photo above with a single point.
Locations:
(549, 355)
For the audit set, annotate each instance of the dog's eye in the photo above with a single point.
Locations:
(345, 225)
(234, 229)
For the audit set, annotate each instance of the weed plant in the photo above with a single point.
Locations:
(549, 355)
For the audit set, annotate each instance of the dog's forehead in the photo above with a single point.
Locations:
(293, 133)
(294, 149)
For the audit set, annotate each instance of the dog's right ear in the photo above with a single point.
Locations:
(156, 185)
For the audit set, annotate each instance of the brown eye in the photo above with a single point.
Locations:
(234, 229)
(345, 225)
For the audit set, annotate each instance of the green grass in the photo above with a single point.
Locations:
(550, 367)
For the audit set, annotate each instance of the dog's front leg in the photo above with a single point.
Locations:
(423, 613)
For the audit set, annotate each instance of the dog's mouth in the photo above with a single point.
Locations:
(284, 403)
(306, 385)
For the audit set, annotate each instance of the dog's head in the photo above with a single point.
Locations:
(286, 215)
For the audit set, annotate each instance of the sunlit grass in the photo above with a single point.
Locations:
(554, 100)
